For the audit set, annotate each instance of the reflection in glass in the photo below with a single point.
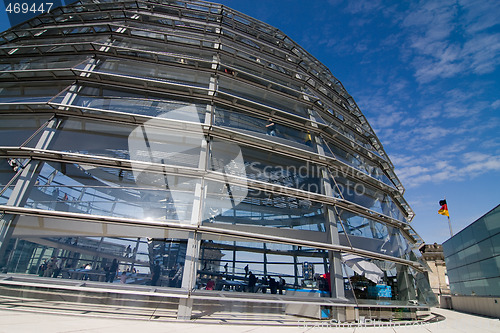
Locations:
(262, 209)
(380, 282)
(134, 103)
(119, 260)
(244, 122)
(372, 235)
(366, 196)
(262, 268)
(262, 96)
(93, 190)
(15, 130)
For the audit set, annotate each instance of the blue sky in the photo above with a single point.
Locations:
(426, 74)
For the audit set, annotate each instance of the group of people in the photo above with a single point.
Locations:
(51, 267)
(267, 282)
(174, 275)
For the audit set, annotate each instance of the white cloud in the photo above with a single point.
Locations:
(475, 157)
(430, 132)
(431, 111)
(387, 119)
(483, 52)
(402, 160)
(480, 14)
(444, 168)
(451, 38)
(481, 164)
(426, 70)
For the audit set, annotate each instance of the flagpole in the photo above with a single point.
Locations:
(449, 224)
(445, 209)
(449, 221)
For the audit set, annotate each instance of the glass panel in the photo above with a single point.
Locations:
(277, 169)
(425, 295)
(360, 163)
(170, 53)
(122, 101)
(156, 71)
(259, 71)
(146, 143)
(254, 126)
(479, 230)
(380, 282)
(28, 93)
(262, 96)
(373, 236)
(76, 30)
(15, 130)
(266, 268)
(451, 262)
(365, 196)
(92, 137)
(261, 208)
(8, 64)
(468, 238)
(488, 268)
(495, 241)
(8, 168)
(451, 246)
(468, 255)
(103, 191)
(491, 221)
(125, 261)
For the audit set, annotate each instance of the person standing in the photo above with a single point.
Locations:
(123, 277)
(252, 280)
(265, 284)
(58, 267)
(156, 274)
(271, 127)
(110, 276)
(51, 266)
(281, 285)
(273, 285)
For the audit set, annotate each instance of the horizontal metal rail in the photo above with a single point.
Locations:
(202, 229)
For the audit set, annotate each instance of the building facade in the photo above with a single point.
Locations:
(473, 262)
(437, 275)
(187, 146)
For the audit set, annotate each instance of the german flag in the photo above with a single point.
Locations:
(444, 208)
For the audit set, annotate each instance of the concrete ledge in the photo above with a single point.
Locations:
(481, 305)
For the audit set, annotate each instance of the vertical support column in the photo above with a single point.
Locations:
(295, 267)
(185, 309)
(264, 257)
(336, 275)
(234, 262)
(23, 187)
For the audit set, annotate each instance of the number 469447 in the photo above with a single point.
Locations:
(25, 8)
